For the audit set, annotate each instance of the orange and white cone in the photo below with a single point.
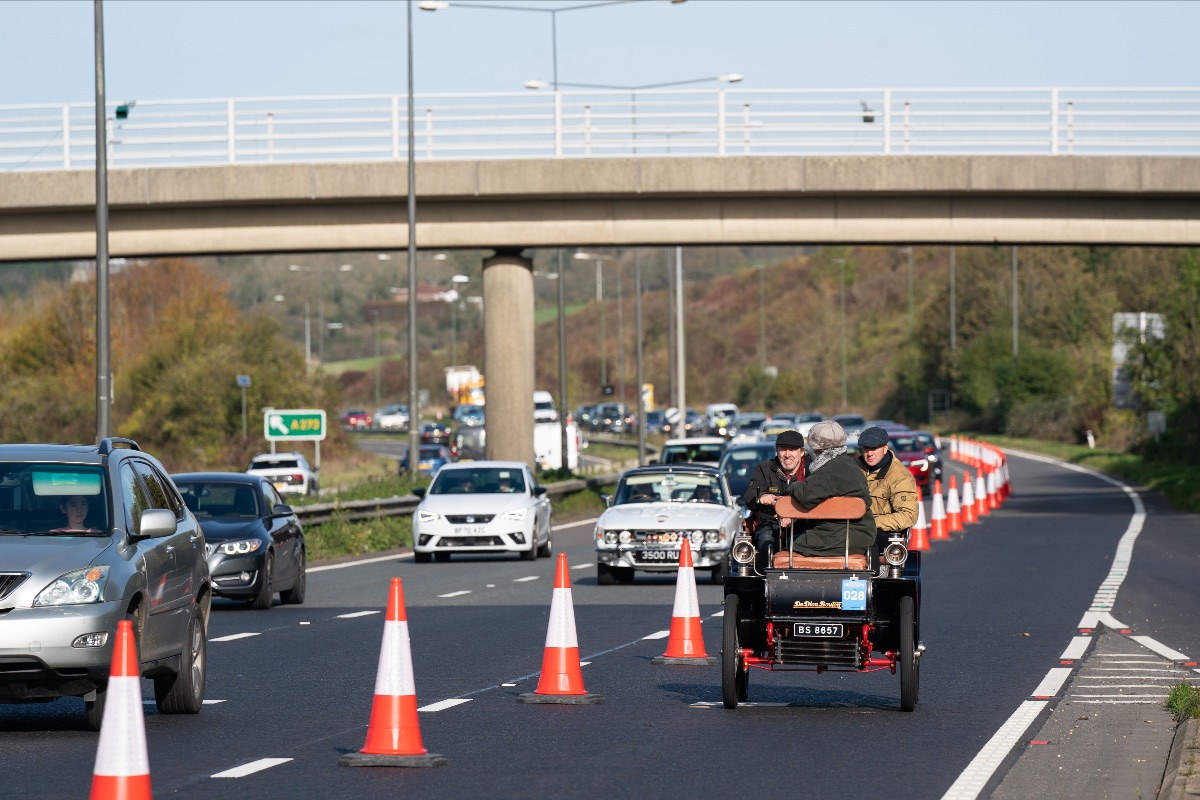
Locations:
(122, 770)
(970, 509)
(561, 680)
(394, 734)
(981, 506)
(918, 537)
(993, 489)
(954, 448)
(938, 515)
(686, 642)
(954, 523)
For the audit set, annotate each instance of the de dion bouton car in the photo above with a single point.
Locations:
(828, 613)
(653, 510)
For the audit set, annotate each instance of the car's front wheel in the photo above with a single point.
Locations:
(731, 655)
(94, 709)
(262, 600)
(547, 549)
(422, 558)
(183, 692)
(532, 553)
(910, 664)
(604, 575)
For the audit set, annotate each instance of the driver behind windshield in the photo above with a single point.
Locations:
(75, 508)
(770, 480)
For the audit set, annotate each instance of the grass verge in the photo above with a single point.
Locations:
(1184, 701)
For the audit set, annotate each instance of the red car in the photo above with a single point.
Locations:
(916, 453)
(356, 418)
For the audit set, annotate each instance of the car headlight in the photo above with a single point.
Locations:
(895, 554)
(922, 464)
(743, 551)
(625, 537)
(240, 548)
(428, 516)
(610, 537)
(516, 515)
(711, 537)
(80, 586)
(697, 537)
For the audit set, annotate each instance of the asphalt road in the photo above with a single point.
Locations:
(1000, 603)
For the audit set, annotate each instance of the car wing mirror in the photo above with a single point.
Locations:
(419, 491)
(539, 490)
(282, 510)
(607, 498)
(156, 523)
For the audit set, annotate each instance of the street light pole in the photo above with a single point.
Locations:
(762, 319)
(1014, 300)
(564, 461)
(378, 363)
(414, 409)
(103, 367)
(842, 262)
(953, 307)
(911, 321)
(680, 363)
(641, 375)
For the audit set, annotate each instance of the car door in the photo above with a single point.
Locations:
(156, 562)
(184, 548)
(285, 536)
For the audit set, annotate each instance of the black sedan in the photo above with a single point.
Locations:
(255, 543)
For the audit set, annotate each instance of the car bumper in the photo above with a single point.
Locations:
(706, 557)
(36, 656)
(497, 536)
(235, 576)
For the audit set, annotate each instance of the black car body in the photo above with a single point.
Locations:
(255, 543)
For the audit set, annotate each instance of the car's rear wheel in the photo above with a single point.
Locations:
(910, 665)
(183, 692)
(731, 655)
(604, 575)
(262, 600)
(295, 595)
(422, 558)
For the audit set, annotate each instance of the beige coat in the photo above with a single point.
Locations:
(893, 496)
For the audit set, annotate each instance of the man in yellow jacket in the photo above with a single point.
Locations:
(893, 490)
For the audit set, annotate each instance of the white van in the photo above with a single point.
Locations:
(543, 407)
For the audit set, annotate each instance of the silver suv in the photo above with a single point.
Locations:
(91, 535)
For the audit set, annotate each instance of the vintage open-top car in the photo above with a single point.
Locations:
(850, 613)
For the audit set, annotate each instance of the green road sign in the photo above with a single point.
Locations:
(294, 425)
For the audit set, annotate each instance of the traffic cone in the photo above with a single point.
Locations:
(918, 537)
(970, 510)
(981, 506)
(1007, 479)
(938, 530)
(394, 734)
(561, 680)
(686, 643)
(993, 490)
(122, 770)
(953, 510)
(953, 448)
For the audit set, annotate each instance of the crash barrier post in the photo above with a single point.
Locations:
(918, 537)
(122, 770)
(953, 509)
(686, 642)
(938, 514)
(970, 510)
(394, 733)
(561, 680)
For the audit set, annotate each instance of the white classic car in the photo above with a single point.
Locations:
(653, 510)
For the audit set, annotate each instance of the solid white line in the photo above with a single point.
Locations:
(1129, 696)
(566, 525)
(1077, 647)
(459, 593)
(1160, 648)
(358, 563)
(526, 578)
(234, 636)
(442, 705)
(658, 635)
(1132, 669)
(711, 704)
(150, 702)
(1118, 702)
(354, 614)
(1129, 678)
(251, 768)
(1053, 681)
(1120, 686)
(972, 780)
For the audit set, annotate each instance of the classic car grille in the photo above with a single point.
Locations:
(9, 581)
(469, 519)
(829, 652)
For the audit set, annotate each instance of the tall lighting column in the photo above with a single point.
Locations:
(641, 374)
(564, 461)
(414, 442)
(103, 368)
(842, 262)
(680, 350)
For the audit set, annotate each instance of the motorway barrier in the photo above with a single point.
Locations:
(561, 680)
(122, 770)
(686, 642)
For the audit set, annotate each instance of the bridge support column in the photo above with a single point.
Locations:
(508, 356)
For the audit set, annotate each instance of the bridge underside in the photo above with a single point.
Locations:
(627, 202)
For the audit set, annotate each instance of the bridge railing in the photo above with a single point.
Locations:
(605, 124)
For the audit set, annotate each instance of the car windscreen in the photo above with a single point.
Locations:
(669, 487)
(53, 498)
(217, 499)
(478, 480)
(691, 453)
(275, 464)
(907, 444)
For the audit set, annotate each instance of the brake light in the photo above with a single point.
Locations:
(297, 478)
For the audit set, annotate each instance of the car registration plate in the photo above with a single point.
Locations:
(818, 629)
(468, 530)
(657, 556)
(279, 484)
(424, 465)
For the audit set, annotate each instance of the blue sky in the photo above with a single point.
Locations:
(159, 49)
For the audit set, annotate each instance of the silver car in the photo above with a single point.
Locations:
(653, 510)
(91, 535)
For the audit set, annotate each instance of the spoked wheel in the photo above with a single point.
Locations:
(733, 681)
(910, 665)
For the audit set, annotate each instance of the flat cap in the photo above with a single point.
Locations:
(789, 439)
(872, 438)
(826, 435)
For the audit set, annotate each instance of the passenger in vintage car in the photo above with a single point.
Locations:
(768, 483)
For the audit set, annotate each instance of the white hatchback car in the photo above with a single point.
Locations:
(482, 507)
(289, 472)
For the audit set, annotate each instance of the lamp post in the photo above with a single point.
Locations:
(641, 376)
(378, 363)
(600, 259)
(909, 252)
(953, 309)
(414, 441)
(680, 350)
(321, 270)
(1014, 300)
(842, 262)
(457, 280)
(103, 368)
(762, 316)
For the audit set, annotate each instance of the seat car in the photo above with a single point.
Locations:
(393, 417)
(255, 544)
(739, 461)
(91, 535)
(653, 510)
(696, 450)
(430, 458)
(482, 507)
(833, 613)
(290, 473)
(356, 419)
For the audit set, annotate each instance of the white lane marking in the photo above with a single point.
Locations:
(358, 563)
(459, 593)
(1091, 620)
(1077, 647)
(306, 623)
(657, 635)
(566, 525)
(231, 637)
(251, 768)
(442, 705)
(719, 614)
(711, 704)
(1118, 702)
(354, 614)
(1160, 648)
(584, 663)
(1127, 696)
(526, 578)
(1121, 686)
(151, 701)
(583, 566)
(508, 684)
(490, 586)
(1129, 677)
(1132, 669)
(1053, 681)
(972, 780)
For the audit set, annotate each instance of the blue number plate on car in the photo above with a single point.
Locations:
(854, 595)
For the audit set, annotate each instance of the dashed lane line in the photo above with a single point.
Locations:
(233, 636)
(149, 701)
(354, 614)
(442, 705)
(657, 635)
(251, 768)
(1053, 681)
(1077, 647)
(360, 562)
(583, 566)
(459, 593)
(526, 578)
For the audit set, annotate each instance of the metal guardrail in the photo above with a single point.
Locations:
(359, 510)
(598, 124)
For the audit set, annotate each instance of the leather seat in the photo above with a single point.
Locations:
(788, 560)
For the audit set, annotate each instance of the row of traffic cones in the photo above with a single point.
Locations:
(979, 497)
